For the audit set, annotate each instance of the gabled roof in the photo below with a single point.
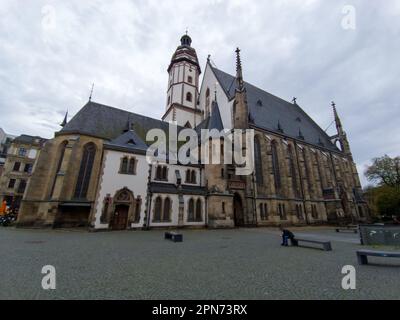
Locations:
(270, 112)
(128, 141)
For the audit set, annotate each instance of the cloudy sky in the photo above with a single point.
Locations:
(317, 50)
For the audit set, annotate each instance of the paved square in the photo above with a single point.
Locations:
(208, 264)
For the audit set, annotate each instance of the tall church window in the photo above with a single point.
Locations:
(157, 209)
(308, 176)
(85, 171)
(198, 210)
(189, 97)
(190, 79)
(275, 166)
(167, 209)
(191, 210)
(258, 161)
(59, 163)
(293, 172)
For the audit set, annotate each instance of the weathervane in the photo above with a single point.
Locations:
(294, 100)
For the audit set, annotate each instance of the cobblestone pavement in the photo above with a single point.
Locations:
(209, 264)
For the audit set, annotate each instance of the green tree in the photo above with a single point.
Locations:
(385, 171)
(385, 197)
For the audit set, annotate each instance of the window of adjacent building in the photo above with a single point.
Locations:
(22, 152)
(17, 166)
(22, 186)
(85, 171)
(190, 79)
(189, 97)
(28, 168)
(32, 153)
(11, 183)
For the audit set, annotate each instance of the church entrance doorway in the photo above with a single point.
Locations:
(120, 217)
(238, 210)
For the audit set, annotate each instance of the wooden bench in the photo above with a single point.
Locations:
(362, 255)
(174, 236)
(348, 228)
(326, 245)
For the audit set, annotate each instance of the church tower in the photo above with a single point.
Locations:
(183, 86)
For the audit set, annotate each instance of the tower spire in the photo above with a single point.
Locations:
(341, 134)
(62, 124)
(239, 73)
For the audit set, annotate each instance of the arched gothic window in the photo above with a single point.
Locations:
(258, 161)
(85, 171)
(189, 97)
(167, 209)
(198, 210)
(293, 172)
(157, 209)
(207, 102)
(275, 166)
(193, 176)
(191, 210)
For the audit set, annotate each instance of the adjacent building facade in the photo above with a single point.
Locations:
(18, 168)
(95, 172)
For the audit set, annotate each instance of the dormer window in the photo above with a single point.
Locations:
(131, 142)
(259, 103)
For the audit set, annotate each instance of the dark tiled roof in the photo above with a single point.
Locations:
(267, 111)
(24, 138)
(110, 123)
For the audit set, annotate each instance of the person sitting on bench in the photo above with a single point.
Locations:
(286, 235)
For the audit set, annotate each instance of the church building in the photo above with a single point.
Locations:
(94, 173)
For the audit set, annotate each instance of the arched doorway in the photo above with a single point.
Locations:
(238, 210)
(120, 217)
(122, 209)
